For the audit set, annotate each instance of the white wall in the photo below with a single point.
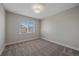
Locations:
(2, 28)
(12, 29)
(62, 28)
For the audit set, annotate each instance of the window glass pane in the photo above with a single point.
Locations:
(26, 26)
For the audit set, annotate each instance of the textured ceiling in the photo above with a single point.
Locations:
(49, 9)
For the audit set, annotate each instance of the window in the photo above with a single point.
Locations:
(26, 26)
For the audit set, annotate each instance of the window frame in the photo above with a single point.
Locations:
(33, 23)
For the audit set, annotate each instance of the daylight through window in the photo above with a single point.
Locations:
(26, 26)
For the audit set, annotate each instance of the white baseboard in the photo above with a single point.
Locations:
(44, 39)
(20, 41)
(65, 45)
(1, 50)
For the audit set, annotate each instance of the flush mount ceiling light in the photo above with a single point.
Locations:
(37, 8)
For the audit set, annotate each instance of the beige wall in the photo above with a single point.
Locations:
(2, 28)
(12, 29)
(62, 28)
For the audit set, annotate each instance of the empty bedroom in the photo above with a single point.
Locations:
(39, 29)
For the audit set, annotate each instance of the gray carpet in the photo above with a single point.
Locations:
(38, 47)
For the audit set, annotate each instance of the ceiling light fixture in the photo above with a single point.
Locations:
(37, 8)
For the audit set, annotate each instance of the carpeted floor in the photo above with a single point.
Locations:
(38, 47)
